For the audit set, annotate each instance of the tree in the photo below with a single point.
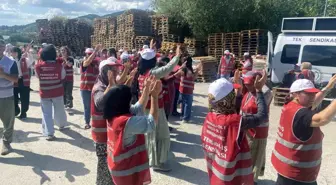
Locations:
(206, 16)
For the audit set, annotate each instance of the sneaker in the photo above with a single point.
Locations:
(162, 168)
(50, 138)
(6, 148)
(87, 126)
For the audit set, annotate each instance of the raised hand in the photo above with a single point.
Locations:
(260, 81)
(236, 77)
(156, 88)
(111, 78)
(331, 82)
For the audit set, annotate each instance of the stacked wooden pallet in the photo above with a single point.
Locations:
(215, 45)
(166, 28)
(139, 41)
(253, 41)
(280, 95)
(45, 33)
(72, 33)
(208, 68)
(167, 46)
(194, 46)
(130, 24)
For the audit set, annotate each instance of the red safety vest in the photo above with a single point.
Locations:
(187, 85)
(165, 91)
(141, 80)
(249, 106)
(228, 162)
(68, 70)
(88, 78)
(98, 123)
(129, 165)
(293, 158)
(177, 79)
(50, 76)
(226, 68)
(25, 73)
(247, 66)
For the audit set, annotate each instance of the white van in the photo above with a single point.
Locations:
(307, 39)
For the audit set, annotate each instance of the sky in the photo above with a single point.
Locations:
(21, 12)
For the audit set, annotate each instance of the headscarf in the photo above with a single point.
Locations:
(226, 105)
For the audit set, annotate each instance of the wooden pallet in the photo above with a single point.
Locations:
(280, 95)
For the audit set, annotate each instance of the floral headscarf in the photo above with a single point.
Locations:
(226, 105)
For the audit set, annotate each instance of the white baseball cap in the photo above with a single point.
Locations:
(303, 85)
(226, 52)
(246, 54)
(145, 47)
(148, 54)
(134, 50)
(171, 51)
(89, 50)
(221, 88)
(110, 61)
(121, 50)
(124, 55)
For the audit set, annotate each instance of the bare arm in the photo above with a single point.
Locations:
(325, 116)
(123, 76)
(144, 98)
(319, 98)
(89, 60)
(12, 78)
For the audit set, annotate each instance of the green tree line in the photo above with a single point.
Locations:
(211, 16)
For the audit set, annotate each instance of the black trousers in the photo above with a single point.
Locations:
(68, 87)
(24, 93)
(285, 181)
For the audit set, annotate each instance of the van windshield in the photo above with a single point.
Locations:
(290, 54)
(319, 55)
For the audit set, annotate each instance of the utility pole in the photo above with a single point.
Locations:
(325, 8)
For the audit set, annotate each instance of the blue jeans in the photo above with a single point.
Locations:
(52, 109)
(187, 100)
(177, 97)
(86, 97)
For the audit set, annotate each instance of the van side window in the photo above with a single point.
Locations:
(319, 55)
(290, 54)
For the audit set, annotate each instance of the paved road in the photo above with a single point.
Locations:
(71, 158)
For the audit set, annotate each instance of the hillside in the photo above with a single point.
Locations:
(31, 28)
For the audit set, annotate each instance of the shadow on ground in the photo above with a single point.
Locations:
(77, 140)
(188, 174)
(41, 163)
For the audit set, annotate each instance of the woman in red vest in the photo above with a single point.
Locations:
(22, 88)
(158, 142)
(226, 148)
(226, 65)
(126, 131)
(247, 63)
(89, 73)
(67, 62)
(188, 76)
(298, 149)
(257, 137)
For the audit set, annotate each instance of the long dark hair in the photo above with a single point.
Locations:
(18, 51)
(188, 66)
(117, 101)
(67, 50)
(112, 52)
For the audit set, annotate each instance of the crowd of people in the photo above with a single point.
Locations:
(129, 96)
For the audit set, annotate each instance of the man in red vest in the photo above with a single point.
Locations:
(297, 154)
(89, 73)
(224, 142)
(226, 65)
(51, 75)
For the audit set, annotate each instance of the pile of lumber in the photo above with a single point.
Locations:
(252, 41)
(130, 24)
(194, 47)
(73, 33)
(139, 41)
(280, 95)
(208, 68)
(104, 32)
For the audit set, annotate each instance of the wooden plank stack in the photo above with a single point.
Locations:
(194, 46)
(253, 41)
(72, 33)
(208, 68)
(280, 95)
(215, 45)
(166, 28)
(139, 41)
